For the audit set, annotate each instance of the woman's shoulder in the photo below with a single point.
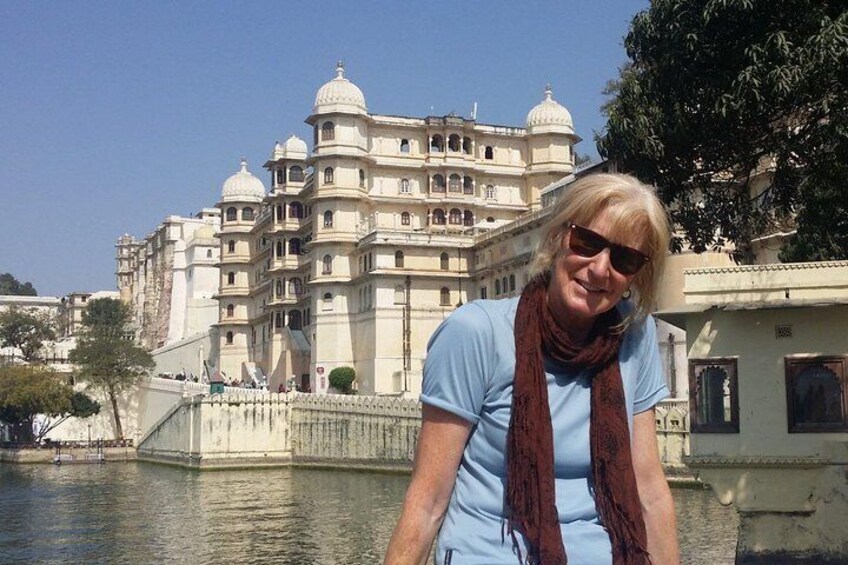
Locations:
(497, 314)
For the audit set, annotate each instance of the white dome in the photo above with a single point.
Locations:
(293, 148)
(549, 115)
(340, 95)
(242, 186)
(204, 232)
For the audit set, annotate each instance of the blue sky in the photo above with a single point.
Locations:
(114, 115)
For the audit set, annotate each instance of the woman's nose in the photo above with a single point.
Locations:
(600, 265)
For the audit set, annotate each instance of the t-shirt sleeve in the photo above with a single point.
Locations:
(458, 364)
(650, 381)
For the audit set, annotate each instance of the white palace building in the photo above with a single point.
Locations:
(356, 251)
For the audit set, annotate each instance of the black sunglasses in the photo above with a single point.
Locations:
(587, 243)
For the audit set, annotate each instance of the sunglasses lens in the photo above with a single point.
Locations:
(626, 261)
(584, 242)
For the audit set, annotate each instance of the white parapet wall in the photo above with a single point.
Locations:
(376, 433)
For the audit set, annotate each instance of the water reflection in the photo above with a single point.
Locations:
(136, 513)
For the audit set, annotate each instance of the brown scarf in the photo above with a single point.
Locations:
(530, 491)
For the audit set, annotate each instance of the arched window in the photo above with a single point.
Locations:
(328, 131)
(468, 219)
(399, 259)
(278, 289)
(231, 246)
(280, 248)
(404, 186)
(511, 283)
(404, 146)
(361, 178)
(281, 176)
(295, 287)
(466, 145)
(231, 278)
(327, 301)
(328, 175)
(294, 246)
(497, 287)
(490, 153)
(438, 217)
(467, 185)
(404, 218)
(278, 320)
(444, 296)
(328, 219)
(232, 214)
(490, 192)
(280, 213)
(503, 285)
(438, 183)
(444, 262)
(296, 210)
(229, 338)
(454, 183)
(231, 310)
(455, 217)
(208, 253)
(247, 214)
(295, 320)
(453, 143)
(327, 262)
(437, 144)
(296, 174)
(400, 297)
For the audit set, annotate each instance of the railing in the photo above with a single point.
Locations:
(67, 444)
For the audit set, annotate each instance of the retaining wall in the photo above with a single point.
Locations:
(377, 433)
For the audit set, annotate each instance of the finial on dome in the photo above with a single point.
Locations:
(243, 165)
(340, 69)
(549, 92)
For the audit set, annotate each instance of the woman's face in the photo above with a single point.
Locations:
(582, 288)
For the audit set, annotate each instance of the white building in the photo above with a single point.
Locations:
(355, 253)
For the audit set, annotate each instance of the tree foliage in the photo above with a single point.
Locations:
(25, 329)
(10, 285)
(341, 379)
(30, 390)
(105, 356)
(737, 111)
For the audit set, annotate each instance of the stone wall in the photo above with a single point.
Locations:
(378, 433)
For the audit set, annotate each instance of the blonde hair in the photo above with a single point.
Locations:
(637, 218)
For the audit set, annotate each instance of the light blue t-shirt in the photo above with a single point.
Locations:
(469, 372)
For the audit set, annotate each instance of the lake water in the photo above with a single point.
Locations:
(141, 513)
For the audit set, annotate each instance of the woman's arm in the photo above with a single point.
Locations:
(654, 494)
(440, 446)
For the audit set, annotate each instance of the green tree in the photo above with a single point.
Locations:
(25, 329)
(341, 379)
(30, 390)
(105, 356)
(10, 285)
(734, 109)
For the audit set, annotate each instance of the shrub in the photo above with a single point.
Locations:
(341, 379)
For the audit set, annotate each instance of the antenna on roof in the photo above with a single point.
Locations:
(474, 111)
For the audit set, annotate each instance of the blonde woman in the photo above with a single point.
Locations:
(538, 441)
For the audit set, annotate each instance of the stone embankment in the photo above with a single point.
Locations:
(366, 432)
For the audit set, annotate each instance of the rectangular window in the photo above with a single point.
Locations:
(816, 394)
(713, 396)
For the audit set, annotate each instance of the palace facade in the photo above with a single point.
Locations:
(358, 250)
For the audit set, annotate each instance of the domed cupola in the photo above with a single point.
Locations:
(549, 116)
(339, 95)
(293, 148)
(242, 186)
